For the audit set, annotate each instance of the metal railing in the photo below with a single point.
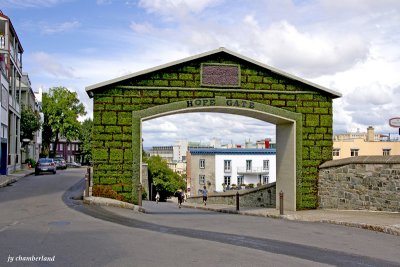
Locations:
(252, 170)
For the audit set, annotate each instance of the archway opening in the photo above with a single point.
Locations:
(287, 127)
(247, 144)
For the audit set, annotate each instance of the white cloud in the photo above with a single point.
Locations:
(176, 8)
(309, 54)
(30, 3)
(203, 127)
(60, 28)
(104, 2)
(142, 27)
(50, 66)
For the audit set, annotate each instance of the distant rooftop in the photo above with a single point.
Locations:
(254, 151)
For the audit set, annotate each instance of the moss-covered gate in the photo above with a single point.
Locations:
(215, 81)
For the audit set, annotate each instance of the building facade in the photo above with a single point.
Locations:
(11, 80)
(364, 144)
(164, 152)
(30, 148)
(70, 151)
(220, 169)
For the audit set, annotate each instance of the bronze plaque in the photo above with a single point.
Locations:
(220, 75)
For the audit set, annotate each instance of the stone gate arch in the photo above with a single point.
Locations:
(216, 81)
(288, 128)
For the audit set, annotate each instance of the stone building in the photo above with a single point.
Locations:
(215, 81)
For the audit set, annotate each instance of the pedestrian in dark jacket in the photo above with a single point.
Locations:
(179, 195)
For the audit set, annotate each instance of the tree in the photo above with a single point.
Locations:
(164, 179)
(86, 138)
(61, 109)
(30, 123)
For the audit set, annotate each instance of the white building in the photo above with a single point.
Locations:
(10, 79)
(179, 151)
(219, 169)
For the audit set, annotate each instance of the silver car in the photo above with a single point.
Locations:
(45, 165)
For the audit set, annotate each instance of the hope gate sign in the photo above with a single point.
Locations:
(225, 102)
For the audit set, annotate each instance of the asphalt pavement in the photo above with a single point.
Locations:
(386, 222)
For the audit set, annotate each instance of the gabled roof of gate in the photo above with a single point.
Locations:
(90, 88)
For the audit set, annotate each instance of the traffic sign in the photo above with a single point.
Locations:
(394, 122)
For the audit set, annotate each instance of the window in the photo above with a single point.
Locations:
(265, 179)
(227, 165)
(336, 152)
(386, 151)
(227, 180)
(266, 164)
(240, 180)
(202, 163)
(354, 152)
(248, 165)
(202, 179)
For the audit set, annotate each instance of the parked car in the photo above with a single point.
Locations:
(45, 165)
(60, 163)
(74, 164)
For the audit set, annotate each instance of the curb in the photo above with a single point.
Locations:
(371, 227)
(101, 201)
(13, 178)
(7, 182)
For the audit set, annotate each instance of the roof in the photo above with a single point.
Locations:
(232, 151)
(205, 54)
(12, 30)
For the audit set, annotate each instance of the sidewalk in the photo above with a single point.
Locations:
(13, 177)
(386, 222)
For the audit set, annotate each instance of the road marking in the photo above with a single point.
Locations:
(8, 226)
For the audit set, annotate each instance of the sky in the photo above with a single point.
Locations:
(351, 47)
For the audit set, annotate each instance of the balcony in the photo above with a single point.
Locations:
(2, 42)
(255, 170)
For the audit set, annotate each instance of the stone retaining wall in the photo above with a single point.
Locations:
(262, 196)
(358, 183)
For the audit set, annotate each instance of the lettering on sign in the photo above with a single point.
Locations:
(394, 122)
(212, 102)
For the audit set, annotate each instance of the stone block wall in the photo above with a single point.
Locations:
(361, 183)
(113, 130)
(263, 196)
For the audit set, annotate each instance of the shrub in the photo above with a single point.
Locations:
(107, 192)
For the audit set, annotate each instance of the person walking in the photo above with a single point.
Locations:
(179, 195)
(157, 197)
(205, 194)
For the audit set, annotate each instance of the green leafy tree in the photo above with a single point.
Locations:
(30, 123)
(164, 179)
(61, 109)
(86, 138)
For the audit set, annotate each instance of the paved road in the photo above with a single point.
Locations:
(39, 219)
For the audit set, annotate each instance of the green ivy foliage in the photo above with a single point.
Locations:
(164, 179)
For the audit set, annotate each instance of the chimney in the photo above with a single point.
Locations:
(370, 134)
(266, 142)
